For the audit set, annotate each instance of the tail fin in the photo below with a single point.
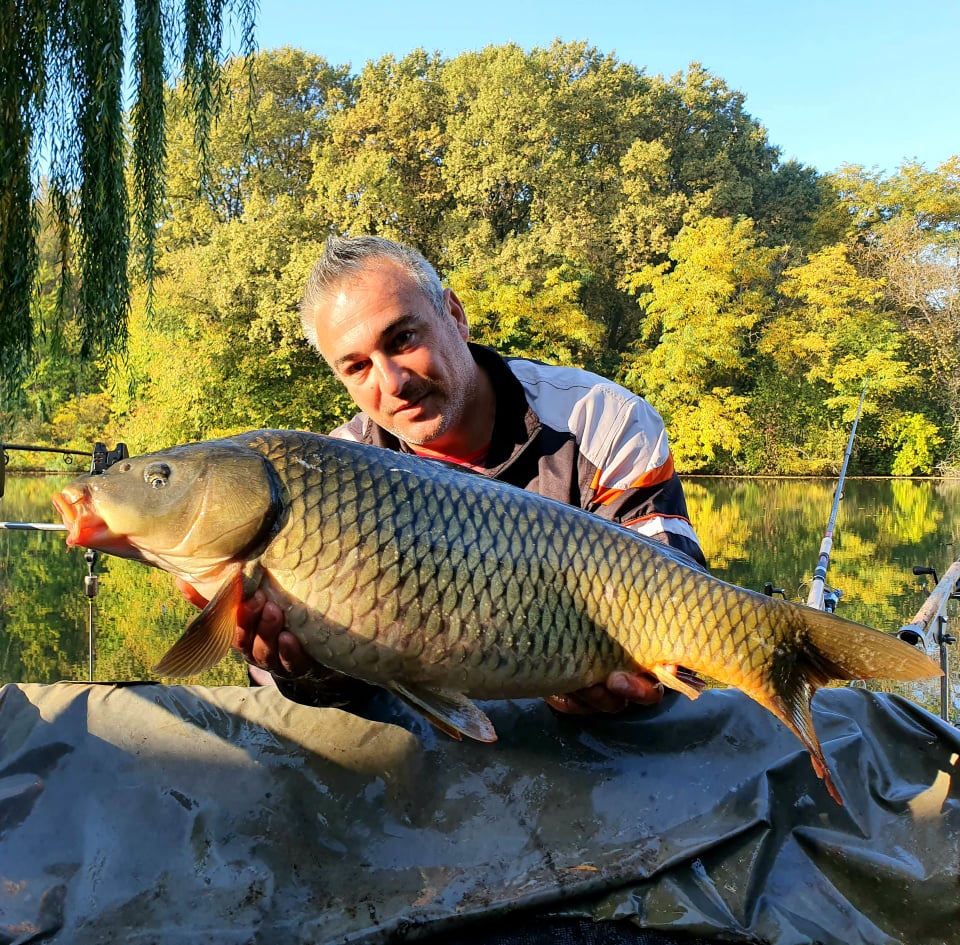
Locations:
(848, 650)
(836, 648)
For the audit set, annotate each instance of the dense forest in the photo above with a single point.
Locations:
(585, 212)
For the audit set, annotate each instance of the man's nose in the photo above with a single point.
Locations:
(393, 376)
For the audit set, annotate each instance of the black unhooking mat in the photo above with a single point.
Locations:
(175, 814)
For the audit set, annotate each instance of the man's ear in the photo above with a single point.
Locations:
(454, 308)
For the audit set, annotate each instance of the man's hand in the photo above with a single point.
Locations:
(614, 695)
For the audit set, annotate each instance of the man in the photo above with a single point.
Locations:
(378, 314)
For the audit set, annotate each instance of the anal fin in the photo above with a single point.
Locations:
(678, 678)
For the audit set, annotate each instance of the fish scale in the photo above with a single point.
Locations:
(440, 585)
(573, 609)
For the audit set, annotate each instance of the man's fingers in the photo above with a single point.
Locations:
(250, 611)
(644, 690)
(293, 658)
(264, 642)
(620, 690)
(280, 653)
(588, 701)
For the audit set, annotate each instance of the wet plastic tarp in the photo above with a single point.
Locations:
(149, 813)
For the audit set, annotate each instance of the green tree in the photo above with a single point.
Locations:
(261, 145)
(836, 337)
(693, 361)
(905, 232)
(57, 373)
(696, 153)
(699, 153)
(380, 168)
(520, 317)
(789, 202)
(214, 356)
(220, 348)
(593, 104)
(498, 135)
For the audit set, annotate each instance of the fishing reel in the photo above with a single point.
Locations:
(831, 597)
(920, 633)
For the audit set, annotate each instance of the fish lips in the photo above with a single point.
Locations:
(86, 528)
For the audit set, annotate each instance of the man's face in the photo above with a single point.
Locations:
(405, 365)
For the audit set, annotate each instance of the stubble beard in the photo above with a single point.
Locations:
(452, 411)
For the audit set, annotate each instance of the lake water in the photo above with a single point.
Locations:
(753, 531)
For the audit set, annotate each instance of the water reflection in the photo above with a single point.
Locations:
(44, 610)
(759, 530)
(753, 531)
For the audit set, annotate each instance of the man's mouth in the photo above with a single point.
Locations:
(410, 405)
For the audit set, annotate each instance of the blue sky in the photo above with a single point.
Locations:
(832, 81)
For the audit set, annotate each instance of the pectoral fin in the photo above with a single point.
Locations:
(451, 712)
(207, 638)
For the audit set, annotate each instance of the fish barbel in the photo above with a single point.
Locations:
(441, 585)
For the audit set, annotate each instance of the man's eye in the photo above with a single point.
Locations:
(404, 338)
(355, 369)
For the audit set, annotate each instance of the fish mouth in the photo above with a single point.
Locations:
(85, 527)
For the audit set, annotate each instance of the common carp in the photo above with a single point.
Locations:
(442, 585)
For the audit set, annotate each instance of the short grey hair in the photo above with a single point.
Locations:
(346, 256)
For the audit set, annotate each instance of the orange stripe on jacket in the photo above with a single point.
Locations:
(604, 495)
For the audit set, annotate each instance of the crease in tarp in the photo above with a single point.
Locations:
(183, 814)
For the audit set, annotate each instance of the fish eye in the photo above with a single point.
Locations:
(156, 475)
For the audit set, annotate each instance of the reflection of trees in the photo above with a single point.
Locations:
(723, 533)
(915, 516)
(883, 528)
(42, 617)
(141, 616)
(43, 609)
(758, 530)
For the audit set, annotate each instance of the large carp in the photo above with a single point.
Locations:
(441, 585)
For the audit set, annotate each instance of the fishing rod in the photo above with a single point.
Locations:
(101, 459)
(817, 598)
(4, 458)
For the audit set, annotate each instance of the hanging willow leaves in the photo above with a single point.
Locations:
(21, 66)
(147, 121)
(62, 124)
